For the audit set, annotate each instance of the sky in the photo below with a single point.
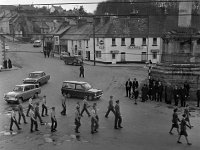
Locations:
(88, 7)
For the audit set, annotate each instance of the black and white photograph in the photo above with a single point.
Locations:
(99, 75)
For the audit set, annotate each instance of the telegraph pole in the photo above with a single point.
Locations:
(94, 41)
(3, 47)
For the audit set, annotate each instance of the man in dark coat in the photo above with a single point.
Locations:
(144, 93)
(198, 97)
(183, 96)
(118, 117)
(176, 95)
(5, 64)
(135, 84)
(9, 64)
(81, 71)
(128, 88)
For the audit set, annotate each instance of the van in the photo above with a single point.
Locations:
(73, 60)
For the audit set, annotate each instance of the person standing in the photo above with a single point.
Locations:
(53, 120)
(44, 106)
(5, 66)
(13, 120)
(128, 88)
(118, 117)
(9, 64)
(33, 120)
(187, 89)
(37, 113)
(198, 97)
(136, 94)
(176, 95)
(63, 112)
(175, 121)
(183, 130)
(110, 107)
(81, 71)
(144, 93)
(94, 119)
(85, 107)
(30, 105)
(77, 121)
(21, 113)
(154, 91)
(135, 84)
(160, 92)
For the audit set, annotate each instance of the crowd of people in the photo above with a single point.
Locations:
(7, 64)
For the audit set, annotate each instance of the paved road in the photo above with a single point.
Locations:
(146, 125)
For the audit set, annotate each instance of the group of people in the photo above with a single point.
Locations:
(184, 123)
(7, 64)
(34, 113)
(132, 89)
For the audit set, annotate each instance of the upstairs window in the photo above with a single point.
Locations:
(154, 41)
(144, 41)
(123, 42)
(132, 41)
(113, 42)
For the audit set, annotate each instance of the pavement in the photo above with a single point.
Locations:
(8, 69)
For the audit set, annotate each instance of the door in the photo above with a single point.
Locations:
(80, 90)
(88, 55)
(144, 57)
(123, 55)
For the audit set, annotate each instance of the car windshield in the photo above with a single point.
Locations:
(34, 75)
(18, 89)
(87, 86)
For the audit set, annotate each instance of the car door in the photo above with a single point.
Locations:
(27, 92)
(80, 91)
(32, 91)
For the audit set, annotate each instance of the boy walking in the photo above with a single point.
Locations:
(77, 118)
(33, 120)
(175, 121)
(30, 105)
(53, 120)
(13, 120)
(85, 107)
(44, 106)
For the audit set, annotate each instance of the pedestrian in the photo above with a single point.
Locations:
(94, 119)
(45, 52)
(33, 120)
(110, 107)
(187, 114)
(150, 94)
(128, 88)
(136, 94)
(183, 95)
(198, 97)
(85, 107)
(176, 95)
(187, 89)
(44, 106)
(81, 71)
(154, 91)
(175, 121)
(37, 113)
(160, 92)
(63, 112)
(13, 119)
(144, 93)
(53, 120)
(30, 105)
(118, 117)
(5, 64)
(9, 64)
(77, 121)
(135, 85)
(21, 113)
(183, 130)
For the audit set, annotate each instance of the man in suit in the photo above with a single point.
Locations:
(135, 84)
(128, 88)
(118, 117)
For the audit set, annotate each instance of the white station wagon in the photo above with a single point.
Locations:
(22, 92)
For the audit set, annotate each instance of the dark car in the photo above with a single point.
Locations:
(80, 90)
(37, 77)
(73, 60)
(63, 55)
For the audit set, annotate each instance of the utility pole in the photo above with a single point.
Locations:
(3, 47)
(94, 41)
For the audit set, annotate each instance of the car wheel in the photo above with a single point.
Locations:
(68, 95)
(36, 95)
(90, 97)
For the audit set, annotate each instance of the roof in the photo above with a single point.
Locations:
(37, 72)
(78, 82)
(24, 84)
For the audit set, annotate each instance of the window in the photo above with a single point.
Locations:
(132, 41)
(144, 41)
(27, 88)
(97, 41)
(79, 87)
(32, 87)
(113, 42)
(68, 85)
(154, 55)
(154, 41)
(86, 43)
(80, 44)
(113, 56)
(123, 42)
(98, 54)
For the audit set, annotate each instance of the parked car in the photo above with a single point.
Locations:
(37, 77)
(63, 54)
(22, 92)
(37, 43)
(80, 90)
(73, 60)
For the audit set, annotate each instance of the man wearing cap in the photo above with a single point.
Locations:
(77, 118)
(13, 120)
(30, 105)
(44, 106)
(85, 107)
(110, 107)
(53, 120)
(118, 118)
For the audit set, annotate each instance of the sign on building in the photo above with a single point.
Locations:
(56, 40)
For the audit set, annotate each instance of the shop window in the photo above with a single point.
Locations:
(113, 42)
(144, 41)
(98, 54)
(154, 54)
(123, 42)
(132, 41)
(154, 41)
